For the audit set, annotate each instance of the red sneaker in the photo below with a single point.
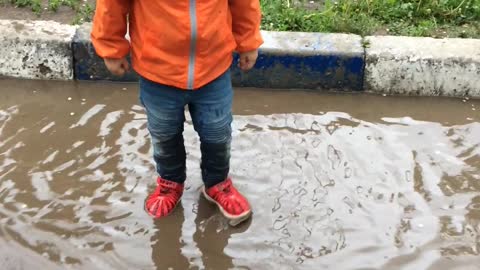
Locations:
(164, 199)
(231, 203)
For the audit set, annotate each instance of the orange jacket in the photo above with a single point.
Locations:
(181, 43)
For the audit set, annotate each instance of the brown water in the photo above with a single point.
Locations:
(336, 182)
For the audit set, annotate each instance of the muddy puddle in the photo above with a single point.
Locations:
(336, 182)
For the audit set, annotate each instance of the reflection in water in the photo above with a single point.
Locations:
(329, 191)
(167, 242)
(212, 235)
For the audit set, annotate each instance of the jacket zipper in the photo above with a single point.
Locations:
(193, 43)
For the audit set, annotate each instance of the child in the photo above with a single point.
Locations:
(182, 49)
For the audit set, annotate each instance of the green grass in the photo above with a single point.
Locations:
(35, 5)
(84, 14)
(55, 4)
(436, 18)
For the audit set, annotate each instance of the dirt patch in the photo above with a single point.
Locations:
(64, 14)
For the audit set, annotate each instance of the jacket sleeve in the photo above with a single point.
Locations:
(110, 28)
(246, 18)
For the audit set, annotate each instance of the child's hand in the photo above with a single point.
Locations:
(117, 67)
(247, 60)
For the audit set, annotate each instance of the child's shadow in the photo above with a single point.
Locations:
(211, 237)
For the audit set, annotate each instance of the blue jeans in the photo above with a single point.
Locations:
(211, 110)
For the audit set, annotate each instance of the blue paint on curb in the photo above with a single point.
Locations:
(88, 65)
(302, 72)
(304, 61)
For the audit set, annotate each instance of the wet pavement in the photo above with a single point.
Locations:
(336, 182)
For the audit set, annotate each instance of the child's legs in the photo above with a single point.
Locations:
(211, 110)
(165, 107)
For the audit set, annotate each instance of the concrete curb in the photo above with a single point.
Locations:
(423, 66)
(36, 50)
(390, 65)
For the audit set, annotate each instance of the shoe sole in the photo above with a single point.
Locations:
(232, 220)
